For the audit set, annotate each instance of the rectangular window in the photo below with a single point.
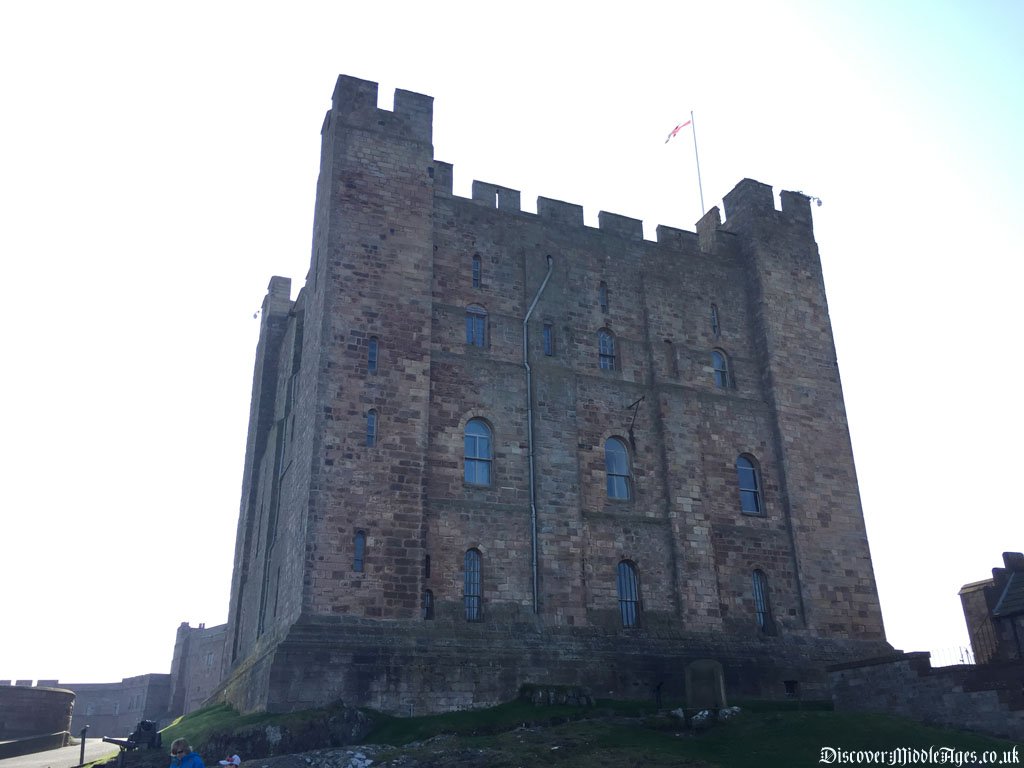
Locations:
(360, 552)
(371, 428)
(471, 586)
(476, 329)
(549, 339)
(371, 356)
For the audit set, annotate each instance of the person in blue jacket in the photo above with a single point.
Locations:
(182, 755)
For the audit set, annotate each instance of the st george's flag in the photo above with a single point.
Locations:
(676, 130)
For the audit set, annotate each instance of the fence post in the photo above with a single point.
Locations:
(81, 757)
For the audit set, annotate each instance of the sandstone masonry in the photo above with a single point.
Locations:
(444, 500)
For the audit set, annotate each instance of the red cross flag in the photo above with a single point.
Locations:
(676, 130)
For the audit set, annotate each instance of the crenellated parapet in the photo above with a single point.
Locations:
(752, 200)
(354, 103)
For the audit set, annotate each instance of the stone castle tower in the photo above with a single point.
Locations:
(490, 447)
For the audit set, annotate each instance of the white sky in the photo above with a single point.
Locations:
(158, 165)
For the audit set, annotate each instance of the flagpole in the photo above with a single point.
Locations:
(700, 187)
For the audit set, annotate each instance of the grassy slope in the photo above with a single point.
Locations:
(623, 734)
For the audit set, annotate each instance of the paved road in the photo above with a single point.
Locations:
(65, 757)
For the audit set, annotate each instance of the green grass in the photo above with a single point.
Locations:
(504, 717)
(767, 740)
(198, 726)
(613, 733)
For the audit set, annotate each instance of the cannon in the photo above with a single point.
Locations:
(145, 736)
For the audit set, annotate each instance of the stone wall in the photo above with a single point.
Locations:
(400, 262)
(414, 668)
(26, 711)
(197, 666)
(114, 709)
(987, 697)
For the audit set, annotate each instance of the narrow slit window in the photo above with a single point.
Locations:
(602, 296)
(762, 608)
(359, 552)
(428, 605)
(716, 329)
(477, 271)
(372, 349)
(371, 428)
(549, 339)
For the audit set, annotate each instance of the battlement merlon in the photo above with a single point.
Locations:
(355, 103)
(751, 200)
(278, 300)
(495, 196)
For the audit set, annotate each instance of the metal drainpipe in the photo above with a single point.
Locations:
(529, 431)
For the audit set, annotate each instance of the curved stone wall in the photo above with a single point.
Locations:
(34, 711)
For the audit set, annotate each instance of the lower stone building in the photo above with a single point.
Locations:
(491, 447)
(114, 709)
(197, 666)
(994, 611)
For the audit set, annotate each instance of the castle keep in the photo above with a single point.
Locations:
(490, 447)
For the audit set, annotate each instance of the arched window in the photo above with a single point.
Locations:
(720, 363)
(749, 482)
(471, 585)
(428, 605)
(477, 442)
(476, 325)
(371, 428)
(606, 350)
(371, 354)
(762, 608)
(602, 296)
(629, 594)
(476, 271)
(359, 552)
(716, 329)
(616, 464)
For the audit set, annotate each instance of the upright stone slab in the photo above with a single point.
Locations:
(705, 685)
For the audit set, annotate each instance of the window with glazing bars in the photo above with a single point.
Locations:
(720, 364)
(471, 585)
(477, 447)
(629, 594)
(606, 350)
(616, 464)
(749, 482)
(476, 326)
(762, 609)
